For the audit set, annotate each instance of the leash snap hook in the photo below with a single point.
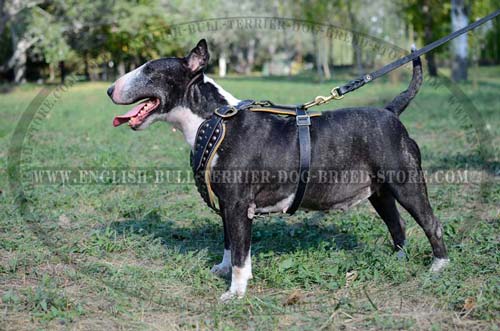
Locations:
(335, 92)
(320, 100)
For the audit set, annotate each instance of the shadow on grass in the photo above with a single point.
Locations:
(270, 234)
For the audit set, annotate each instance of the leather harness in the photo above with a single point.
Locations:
(212, 131)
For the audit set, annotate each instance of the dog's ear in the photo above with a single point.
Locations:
(197, 59)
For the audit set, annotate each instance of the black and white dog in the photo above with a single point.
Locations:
(366, 138)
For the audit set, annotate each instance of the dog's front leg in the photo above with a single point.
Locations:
(223, 269)
(239, 231)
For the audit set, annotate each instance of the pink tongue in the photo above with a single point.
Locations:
(119, 120)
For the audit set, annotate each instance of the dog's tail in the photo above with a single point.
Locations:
(399, 103)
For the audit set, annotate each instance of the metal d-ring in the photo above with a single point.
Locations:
(230, 112)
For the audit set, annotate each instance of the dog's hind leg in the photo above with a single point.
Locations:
(413, 197)
(223, 269)
(239, 230)
(385, 205)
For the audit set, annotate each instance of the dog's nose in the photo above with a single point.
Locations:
(110, 90)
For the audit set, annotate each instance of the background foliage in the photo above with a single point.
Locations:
(42, 40)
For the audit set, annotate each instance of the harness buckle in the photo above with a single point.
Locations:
(303, 120)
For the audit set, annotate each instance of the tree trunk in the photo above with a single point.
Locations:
(52, 72)
(317, 58)
(358, 59)
(250, 56)
(331, 56)
(431, 64)
(325, 64)
(62, 69)
(17, 61)
(3, 16)
(242, 63)
(222, 65)
(299, 56)
(428, 37)
(459, 46)
(271, 50)
(86, 66)
(357, 56)
(121, 68)
(429, 57)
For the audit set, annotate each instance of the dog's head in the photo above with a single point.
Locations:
(160, 86)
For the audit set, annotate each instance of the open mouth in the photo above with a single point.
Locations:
(137, 115)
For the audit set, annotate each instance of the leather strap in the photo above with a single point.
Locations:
(360, 81)
(303, 123)
(281, 111)
(209, 136)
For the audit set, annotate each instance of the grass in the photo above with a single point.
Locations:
(138, 256)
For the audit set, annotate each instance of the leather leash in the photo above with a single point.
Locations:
(338, 92)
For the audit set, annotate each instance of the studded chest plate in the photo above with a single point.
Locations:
(208, 139)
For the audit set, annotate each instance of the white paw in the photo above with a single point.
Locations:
(439, 264)
(221, 270)
(229, 296)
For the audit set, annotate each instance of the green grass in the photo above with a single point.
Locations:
(138, 256)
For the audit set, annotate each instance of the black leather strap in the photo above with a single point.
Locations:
(209, 134)
(303, 123)
(358, 82)
(207, 137)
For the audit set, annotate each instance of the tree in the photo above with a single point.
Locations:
(60, 31)
(357, 50)
(430, 21)
(459, 46)
(16, 15)
(486, 37)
